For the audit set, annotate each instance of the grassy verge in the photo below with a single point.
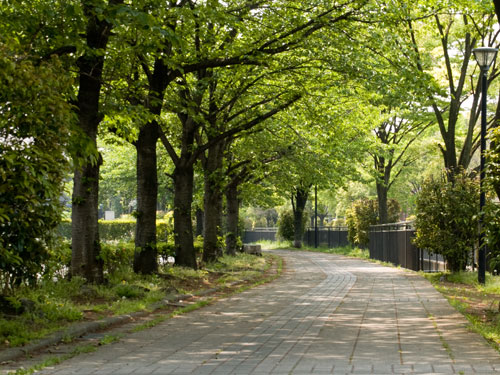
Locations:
(349, 251)
(53, 305)
(480, 304)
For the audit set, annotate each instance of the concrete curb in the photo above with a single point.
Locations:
(79, 329)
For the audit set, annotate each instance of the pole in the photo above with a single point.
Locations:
(316, 216)
(481, 274)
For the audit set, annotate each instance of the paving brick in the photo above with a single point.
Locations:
(326, 314)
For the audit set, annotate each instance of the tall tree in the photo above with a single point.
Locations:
(462, 28)
(85, 259)
(253, 47)
(395, 135)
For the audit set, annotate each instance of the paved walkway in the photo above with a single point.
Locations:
(327, 314)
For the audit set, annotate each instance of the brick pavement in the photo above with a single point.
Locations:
(326, 315)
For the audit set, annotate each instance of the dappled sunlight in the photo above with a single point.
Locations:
(325, 314)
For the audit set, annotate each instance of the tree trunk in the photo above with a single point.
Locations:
(183, 227)
(233, 214)
(212, 223)
(383, 214)
(301, 195)
(85, 261)
(145, 255)
(85, 245)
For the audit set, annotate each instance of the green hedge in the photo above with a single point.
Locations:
(118, 230)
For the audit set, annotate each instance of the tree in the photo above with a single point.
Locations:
(85, 259)
(206, 52)
(463, 27)
(396, 135)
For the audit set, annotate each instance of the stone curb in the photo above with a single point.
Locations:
(79, 329)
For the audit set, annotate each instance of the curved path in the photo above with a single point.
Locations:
(327, 314)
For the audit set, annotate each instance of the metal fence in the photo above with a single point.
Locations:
(259, 234)
(388, 243)
(327, 236)
(393, 243)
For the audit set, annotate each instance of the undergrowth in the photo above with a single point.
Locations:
(35, 312)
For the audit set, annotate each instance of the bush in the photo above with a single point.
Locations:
(35, 128)
(447, 216)
(362, 214)
(359, 217)
(492, 234)
(116, 256)
(120, 230)
(286, 226)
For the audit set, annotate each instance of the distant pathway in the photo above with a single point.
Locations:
(326, 315)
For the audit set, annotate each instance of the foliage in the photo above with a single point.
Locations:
(492, 209)
(492, 234)
(119, 230)
(447, 218)
(362, 214)
(286, 229)
(359, 217)
(35, 128)
(56, 303)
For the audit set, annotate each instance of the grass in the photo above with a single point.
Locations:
(349, 251)
(480, 304)
(56, 304)
(241, 264)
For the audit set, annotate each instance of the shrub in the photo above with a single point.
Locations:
(120, 230)
(492, 234)
(116, 230)
(116, 256)
(362, 214)
(492, 211)
(447, 215)
(359, 217)
(35, 128)
(286, 226)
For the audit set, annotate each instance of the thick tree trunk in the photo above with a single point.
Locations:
(212, 225)
(233, 213)
(301, 195)
(383, 214)
(85, 261)
(145, 255)
(183, 227)
(85, 245)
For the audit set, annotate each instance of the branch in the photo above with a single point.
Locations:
(168, 146)
(64, 50)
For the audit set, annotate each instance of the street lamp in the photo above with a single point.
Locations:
(484, 57)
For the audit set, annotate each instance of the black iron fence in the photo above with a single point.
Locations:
(394, 243)
(327, 236)
(260, 234)
(391, 243)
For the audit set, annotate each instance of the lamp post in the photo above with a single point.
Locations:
(484, 57)
(315, 216)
